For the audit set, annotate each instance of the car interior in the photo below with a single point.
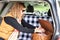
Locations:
(41, 9)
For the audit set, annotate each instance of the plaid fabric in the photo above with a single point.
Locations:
(32, 20)
(25, 36)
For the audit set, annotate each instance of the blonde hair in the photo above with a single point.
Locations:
(16, 8)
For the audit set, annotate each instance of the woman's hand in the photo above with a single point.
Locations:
(39, 29)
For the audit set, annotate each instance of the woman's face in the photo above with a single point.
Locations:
(20, 11)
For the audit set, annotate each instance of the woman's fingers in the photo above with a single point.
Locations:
(42, 29)
(39, 30)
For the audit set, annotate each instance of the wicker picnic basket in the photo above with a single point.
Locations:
(48, 33)
(45, 36)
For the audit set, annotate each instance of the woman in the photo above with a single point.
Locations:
(15, 12)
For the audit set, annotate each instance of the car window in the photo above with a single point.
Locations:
(41, 8)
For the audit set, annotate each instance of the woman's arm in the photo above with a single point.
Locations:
(13, 22)
(25, 24)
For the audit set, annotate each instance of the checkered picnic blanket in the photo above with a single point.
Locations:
(32, 20)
